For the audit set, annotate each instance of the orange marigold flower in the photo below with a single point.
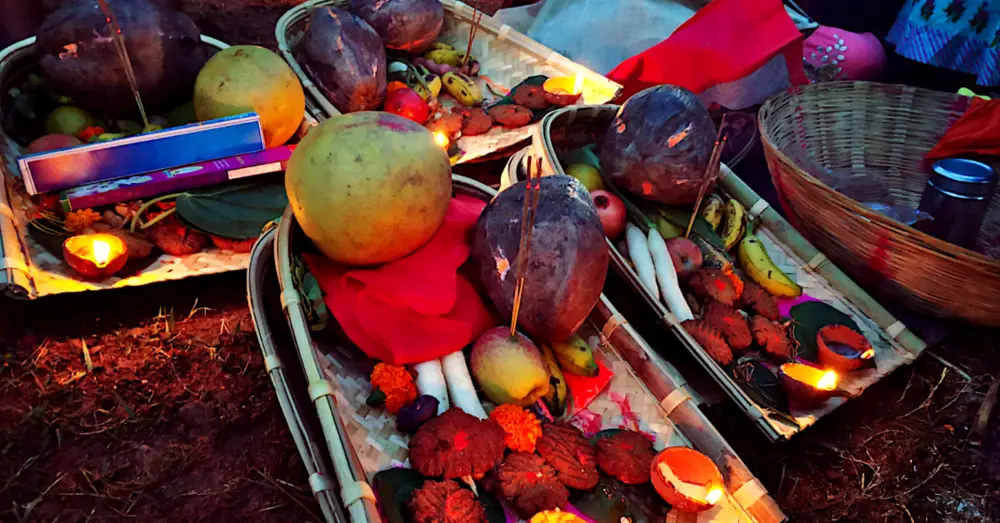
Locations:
(522, 429)
(396, 384)
(77, 221)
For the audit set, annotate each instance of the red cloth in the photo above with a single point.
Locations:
(975, 132)
(414, 309)
(723, 42)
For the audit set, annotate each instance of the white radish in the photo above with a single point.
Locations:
(638, 249)
(430, 381)
(666, 274)
(460, 387)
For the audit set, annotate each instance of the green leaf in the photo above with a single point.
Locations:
(237, 211)
(611, 501)
(394, 487)
(759, 382)
(681, 217)
(494, 510)
(808, 318)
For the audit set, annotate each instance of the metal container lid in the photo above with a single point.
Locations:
(963, 178)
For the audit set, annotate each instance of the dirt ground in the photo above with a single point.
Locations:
(153, 405)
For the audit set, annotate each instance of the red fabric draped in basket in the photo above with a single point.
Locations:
(723, 42)
(975, 132)
(414, 309)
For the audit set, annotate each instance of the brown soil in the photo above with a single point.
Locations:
(173, 418)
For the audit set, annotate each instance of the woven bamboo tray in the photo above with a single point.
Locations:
(879, 132)
(505, 56)
(894, 344)
(281, 363)
(361, 440)
(28, 270)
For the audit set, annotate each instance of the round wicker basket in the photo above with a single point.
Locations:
(877, 132)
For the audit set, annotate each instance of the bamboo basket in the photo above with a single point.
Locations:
(505, 56)
(361, 440)
(28, 270)
(881, 132)
(895, 344)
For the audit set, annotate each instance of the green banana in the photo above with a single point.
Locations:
(735, 225)
(463, 88)
(760, 268)
(667, 229)
(712, 210)
(558, 394)
(575, 357)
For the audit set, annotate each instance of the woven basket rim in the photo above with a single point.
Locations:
(934, 246)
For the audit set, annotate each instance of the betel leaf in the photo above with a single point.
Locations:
(394, 487)
(236, 211)
(537, 114)
(759, 382)
(681, 217)
(612, 501)
(494, 509)
(808, 318)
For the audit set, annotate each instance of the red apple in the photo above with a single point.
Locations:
(611, 210)
(685, 254)
(407, 103)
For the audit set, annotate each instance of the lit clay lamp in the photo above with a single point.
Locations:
(807, 387)
(95, 256)
(563, 90)
(844, 350)
(442, 141)
(687, 479)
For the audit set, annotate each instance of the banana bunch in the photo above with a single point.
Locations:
(463, 88)
(428, 85)
(558, 394)
(760, 268)
(735, 224)
(576, 357)
(712, 210)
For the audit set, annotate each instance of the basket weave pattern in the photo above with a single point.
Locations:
(881, 132)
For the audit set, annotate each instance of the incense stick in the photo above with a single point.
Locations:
(119, 41)
(532, 193)
(711, 172)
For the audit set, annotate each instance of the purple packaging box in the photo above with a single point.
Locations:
(178, 179)
(189, 144)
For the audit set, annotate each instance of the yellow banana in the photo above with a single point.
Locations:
(575, 357)
(712, 210)
(463, 88)
(431, 85)
(759, 267)
(441, 46)
(735, 224)
(445, 57)
(556, 399)
(713, 258)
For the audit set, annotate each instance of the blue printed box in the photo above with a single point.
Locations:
(195, 143)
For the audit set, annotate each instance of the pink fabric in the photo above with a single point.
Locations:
(844, 55)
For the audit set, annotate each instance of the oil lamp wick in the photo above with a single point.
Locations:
(102, 252)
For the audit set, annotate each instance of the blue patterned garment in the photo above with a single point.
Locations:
(961, 35)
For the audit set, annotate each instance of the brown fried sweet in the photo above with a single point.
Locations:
(771, 337)
(530, 485)
(511, 115)
(449, 124)
(175, 239)
(711, 340)
(713, 284)
(445, 502)
(627, 456)
(475, 121)
(530, 96)
(760, 301)
(730, 323)
(566, 449)
(456, 444)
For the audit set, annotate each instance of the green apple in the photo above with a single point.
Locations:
(588, 175)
